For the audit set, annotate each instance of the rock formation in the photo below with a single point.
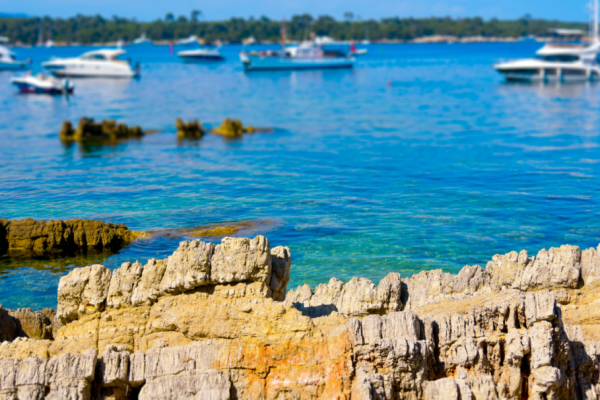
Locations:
(215, 322)
(189, 130)
(29, 237)
(90, 131)
(233, 128)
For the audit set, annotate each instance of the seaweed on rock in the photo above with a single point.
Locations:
(106, 131)
(189, 130)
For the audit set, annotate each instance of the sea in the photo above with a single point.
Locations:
(420, 157)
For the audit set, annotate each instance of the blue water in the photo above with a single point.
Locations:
(419, 158)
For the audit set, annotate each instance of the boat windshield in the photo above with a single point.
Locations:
(94, 57)
(560, 58)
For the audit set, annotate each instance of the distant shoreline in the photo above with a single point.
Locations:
(436, 39)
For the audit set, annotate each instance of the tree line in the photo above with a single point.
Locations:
(93, 29)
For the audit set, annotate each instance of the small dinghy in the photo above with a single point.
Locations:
(41, 83)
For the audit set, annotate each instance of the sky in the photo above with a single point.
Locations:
(147, 10)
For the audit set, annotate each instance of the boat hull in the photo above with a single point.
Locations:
(274, 63)
(25, 87)
(83, 70)
(540, 71)
(11, 66)
(201, 57)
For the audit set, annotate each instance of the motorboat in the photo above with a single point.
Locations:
(558, 62)
(97, 63)
(42, 83)
(203, 54)
(357, 52)
(8, 61)
(249, 41)
(564, 63)
(190, 41)
(307, 55)
(142, 40)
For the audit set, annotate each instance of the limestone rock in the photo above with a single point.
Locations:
(590, 266)
(28, 237)
(188, 267)
(558, 267)
(241, 260)
(201, 385)
(122, 284)
(428, 287)
(280, 275)
(358, 297)
(82, 291)
(148, 289)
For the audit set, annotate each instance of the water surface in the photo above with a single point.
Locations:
(419, 158)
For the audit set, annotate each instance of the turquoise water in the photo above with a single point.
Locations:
(419, 158)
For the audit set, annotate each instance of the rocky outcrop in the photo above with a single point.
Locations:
(359, 297)
(106, 131)
(189, 130)
(233, 128)
(28, 237)
(212, 322)
(26, 323)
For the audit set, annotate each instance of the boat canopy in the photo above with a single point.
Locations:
(566, 49)
(104, 54)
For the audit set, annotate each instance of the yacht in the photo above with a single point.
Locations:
(8, 61)
(142, 40)
(190, 41)
(307, 55)
(558, 62)
(97, 63)
(202, 54)
(41, 83)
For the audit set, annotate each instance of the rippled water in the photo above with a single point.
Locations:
(419, 158)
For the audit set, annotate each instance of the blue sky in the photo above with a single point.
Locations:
(144, 10)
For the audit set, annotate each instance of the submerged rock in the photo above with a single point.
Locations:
(189, 130)
(210, 322)
(233, 128)
(106, 131)
(28, 237)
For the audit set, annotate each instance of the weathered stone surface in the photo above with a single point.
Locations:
(82, 291)
(280, 276)
(188, 267)
(168, 330)
(122, 284)
(356, 298)
(241, 260)
(30, 237)
(590, 266)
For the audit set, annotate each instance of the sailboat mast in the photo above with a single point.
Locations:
(595, 19)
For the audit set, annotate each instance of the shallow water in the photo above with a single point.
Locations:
(419, 158)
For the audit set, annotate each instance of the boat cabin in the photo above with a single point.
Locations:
(102, 55)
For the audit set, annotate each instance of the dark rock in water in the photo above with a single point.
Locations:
(233, 128)
(28, 237)
(105, 131)
(26, 323)
(189, 130)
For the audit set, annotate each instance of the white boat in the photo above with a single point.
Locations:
(357, 52)
(558, 62)
(97, 63)
(8, 61)
(249, 41)
(202, 54)
(307, 55)
(142, 40)
(190, 41)
(42, 84)
(49, 43)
